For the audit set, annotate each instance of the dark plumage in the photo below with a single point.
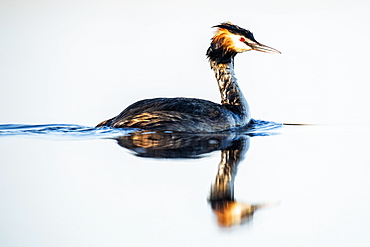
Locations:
(173, 114)
(198, 115)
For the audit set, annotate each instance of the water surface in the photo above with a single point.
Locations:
(71, 185)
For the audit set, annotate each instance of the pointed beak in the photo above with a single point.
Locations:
(264, 48)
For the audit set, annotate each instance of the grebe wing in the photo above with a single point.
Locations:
(176, 114)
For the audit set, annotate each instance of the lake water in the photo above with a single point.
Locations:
(69, 185)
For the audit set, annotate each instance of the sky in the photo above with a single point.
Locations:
(81, 62)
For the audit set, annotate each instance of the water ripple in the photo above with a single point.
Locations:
(69, 131)
(72, 131)
(262, 127)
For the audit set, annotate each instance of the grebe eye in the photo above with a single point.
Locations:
(242, 39)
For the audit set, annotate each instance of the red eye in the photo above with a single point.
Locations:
(242, 39)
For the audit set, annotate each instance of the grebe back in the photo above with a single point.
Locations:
(198, 115)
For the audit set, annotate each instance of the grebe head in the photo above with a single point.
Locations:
(231, 39)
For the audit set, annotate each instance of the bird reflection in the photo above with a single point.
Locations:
(230, 212)
(233, 147)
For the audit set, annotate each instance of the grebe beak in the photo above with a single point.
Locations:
(263, 48)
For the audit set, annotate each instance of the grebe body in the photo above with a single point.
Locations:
(177, 114)
(198, 115)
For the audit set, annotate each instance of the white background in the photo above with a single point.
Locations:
(80, 62)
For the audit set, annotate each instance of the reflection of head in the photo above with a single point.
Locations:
(234, 213)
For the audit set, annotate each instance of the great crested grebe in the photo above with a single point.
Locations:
(199, 115)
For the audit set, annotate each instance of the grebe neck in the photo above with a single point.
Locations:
(231, 95)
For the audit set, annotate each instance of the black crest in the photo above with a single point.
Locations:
(236, 30)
